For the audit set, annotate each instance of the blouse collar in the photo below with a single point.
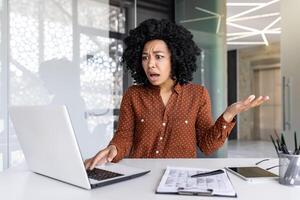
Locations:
(156, 89)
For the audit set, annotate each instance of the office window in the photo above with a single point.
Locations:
(40, 37)
(63, 52)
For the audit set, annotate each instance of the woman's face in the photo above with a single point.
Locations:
(156, 61)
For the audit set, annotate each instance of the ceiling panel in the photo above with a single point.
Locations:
(255, 22)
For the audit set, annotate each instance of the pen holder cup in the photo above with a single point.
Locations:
(289, 169)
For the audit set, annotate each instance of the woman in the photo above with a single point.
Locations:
(164, 115)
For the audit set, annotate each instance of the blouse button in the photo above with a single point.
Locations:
(142, 120)
(186, 121)
(160, 138)
(157, 152)
(224, 127)
(164, 124)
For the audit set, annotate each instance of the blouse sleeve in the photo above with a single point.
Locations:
(124, 135)
(210, 137)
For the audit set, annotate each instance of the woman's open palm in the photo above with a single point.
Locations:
(243, 105)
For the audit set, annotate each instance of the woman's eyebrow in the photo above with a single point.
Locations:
(158, 51)
(146, 53)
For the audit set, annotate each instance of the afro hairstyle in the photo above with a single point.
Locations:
(179, 40)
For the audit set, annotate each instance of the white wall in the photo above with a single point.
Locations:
(290, 62)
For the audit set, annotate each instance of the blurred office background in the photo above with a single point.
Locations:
(68, 52)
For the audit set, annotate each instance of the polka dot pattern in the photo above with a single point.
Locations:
(149, 129)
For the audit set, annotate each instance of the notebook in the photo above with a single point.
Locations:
(178, 180)
(48, 141)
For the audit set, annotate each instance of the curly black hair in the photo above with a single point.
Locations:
(179, 40)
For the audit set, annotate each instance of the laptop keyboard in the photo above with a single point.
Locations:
(100, 174)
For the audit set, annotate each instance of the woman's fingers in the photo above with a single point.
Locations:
(251, 98)
(246, 104)
(87, 163)
(111, 154)
(100, 158)
(259, 101)
(250, 102)
(243, 105)
(105, 155)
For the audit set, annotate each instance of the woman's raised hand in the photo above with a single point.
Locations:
(241, 106)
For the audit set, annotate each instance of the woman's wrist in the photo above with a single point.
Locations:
(112, 146)
(228, 116)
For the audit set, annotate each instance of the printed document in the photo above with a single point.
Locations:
(178, 179)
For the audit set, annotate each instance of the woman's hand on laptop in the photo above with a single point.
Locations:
(102, 157)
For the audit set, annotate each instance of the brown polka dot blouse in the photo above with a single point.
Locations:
(149, 129)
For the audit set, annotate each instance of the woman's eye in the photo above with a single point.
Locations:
(159, 56)
(144, 57)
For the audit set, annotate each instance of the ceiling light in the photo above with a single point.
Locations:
(219, 24)
(272, 32)
(245, 43)
(244, 36)
(242, 27)
(265, 39)
(239, 33)
(197, 19)
(244, 4)
(238, 20)
(215, 15)
(252, 9)
(271, 24)
(254, 17)
(207, 11)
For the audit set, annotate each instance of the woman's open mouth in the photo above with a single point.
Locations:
(153, 77)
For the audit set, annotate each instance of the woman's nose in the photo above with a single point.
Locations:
(151, 63)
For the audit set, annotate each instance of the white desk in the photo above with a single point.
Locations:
(19, 183)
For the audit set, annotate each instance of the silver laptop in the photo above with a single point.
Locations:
(49, 145)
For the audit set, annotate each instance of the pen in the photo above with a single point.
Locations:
(215, 172)
(282, 139)
(274, 144)
(284, 149)
(277, 140)
(283, 145)
(278, 144)
(296, 146)
(277, 136)
(298, 151)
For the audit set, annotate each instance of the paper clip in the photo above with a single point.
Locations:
(195, 192)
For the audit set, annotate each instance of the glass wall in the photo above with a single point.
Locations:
(2, 140)
(67, 52)
(207, 22)
(63, 52)
(3, 85)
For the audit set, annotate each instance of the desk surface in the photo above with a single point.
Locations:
(19, 183)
